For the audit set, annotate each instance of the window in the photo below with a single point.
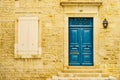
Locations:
(26, 45)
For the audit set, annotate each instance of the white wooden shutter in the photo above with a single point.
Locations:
(22, 35)
(33, 36)
(27, 36)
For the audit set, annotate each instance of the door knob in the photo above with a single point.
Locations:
(86, 46)
(75, 45)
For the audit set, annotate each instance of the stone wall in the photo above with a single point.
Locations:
(51, 17)
(52, 40)
(109, 39)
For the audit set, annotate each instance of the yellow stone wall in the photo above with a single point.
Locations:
(109, 39)
(52, 25)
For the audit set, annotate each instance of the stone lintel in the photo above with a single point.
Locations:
(81, 3)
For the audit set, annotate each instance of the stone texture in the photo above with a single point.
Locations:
(51, 16)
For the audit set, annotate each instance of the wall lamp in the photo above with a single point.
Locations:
(105, 23)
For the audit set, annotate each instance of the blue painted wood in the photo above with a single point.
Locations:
(74, 46)
(79, 22)
(80, 41)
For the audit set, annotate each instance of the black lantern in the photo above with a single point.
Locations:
(105, 23)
